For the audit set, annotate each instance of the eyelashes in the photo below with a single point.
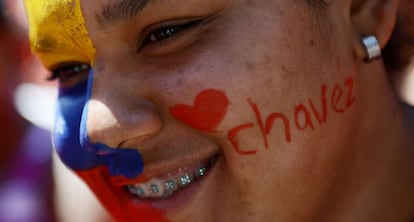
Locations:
(70, 75)
(163, 33)
(68, 71)
(74, 72)
(166, 32)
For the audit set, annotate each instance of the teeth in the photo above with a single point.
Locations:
(138, 189)
(201, 172)
(170, 186)
(156, 188)
(185, 180)
(140, 192)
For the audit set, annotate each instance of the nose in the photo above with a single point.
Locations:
(117, 117)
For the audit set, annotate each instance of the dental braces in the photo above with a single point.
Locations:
(155, 188)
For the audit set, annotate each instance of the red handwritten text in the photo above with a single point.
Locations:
(341, 99)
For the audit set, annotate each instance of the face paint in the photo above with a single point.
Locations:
(210, 107)
(66, 134)
(58, 36)
(58, 33)
(125, 162)
(92, 161)
(54, 25)
(73, 144)
(303, 118)
(127, 209)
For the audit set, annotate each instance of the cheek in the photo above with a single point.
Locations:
(72, 142)
(93, 168)
(206, 113)
(127, 210)
(66, 133)
(120, 162)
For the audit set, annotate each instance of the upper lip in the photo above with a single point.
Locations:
(159, 169)
(163, 158)
(169, 151)
(156, 168)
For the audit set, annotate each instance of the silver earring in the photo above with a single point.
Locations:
(372, 48)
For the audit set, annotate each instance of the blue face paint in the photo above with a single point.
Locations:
(73, 144)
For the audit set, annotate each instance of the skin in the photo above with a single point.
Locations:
(349, 162)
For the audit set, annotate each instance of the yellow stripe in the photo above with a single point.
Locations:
(58, 33)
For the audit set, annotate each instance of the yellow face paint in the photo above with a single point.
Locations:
(58, 33)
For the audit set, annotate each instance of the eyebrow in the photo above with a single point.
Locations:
(121, 10)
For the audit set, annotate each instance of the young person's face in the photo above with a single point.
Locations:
(248, 97)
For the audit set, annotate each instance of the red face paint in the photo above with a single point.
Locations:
(301, 109)
(342, 99)
(324, 110)
(267, 129)
(116, 200)
(233, 137)
(209, 109)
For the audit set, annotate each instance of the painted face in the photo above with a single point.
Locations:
(59, 37)
(54, 25)
(215, 110)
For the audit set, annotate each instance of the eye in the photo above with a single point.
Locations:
(68, 71)
(69, 75)
(166, 32)
(163, 33)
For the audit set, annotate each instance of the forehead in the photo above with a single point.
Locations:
(57, 32)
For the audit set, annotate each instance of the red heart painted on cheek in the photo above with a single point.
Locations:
(210, 107)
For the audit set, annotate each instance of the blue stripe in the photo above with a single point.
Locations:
(72, 142)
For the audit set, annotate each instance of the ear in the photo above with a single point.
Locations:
(373, 17)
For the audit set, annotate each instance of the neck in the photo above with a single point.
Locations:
(377, 182)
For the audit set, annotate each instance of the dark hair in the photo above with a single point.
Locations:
(2, 16)
(400, 50)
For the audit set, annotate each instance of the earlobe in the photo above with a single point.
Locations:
(372, 18)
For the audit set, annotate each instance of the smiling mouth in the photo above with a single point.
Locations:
(164, 186)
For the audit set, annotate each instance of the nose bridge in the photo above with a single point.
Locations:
(115, 114)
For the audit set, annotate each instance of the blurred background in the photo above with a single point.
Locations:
(34, 184)
(25, 151)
